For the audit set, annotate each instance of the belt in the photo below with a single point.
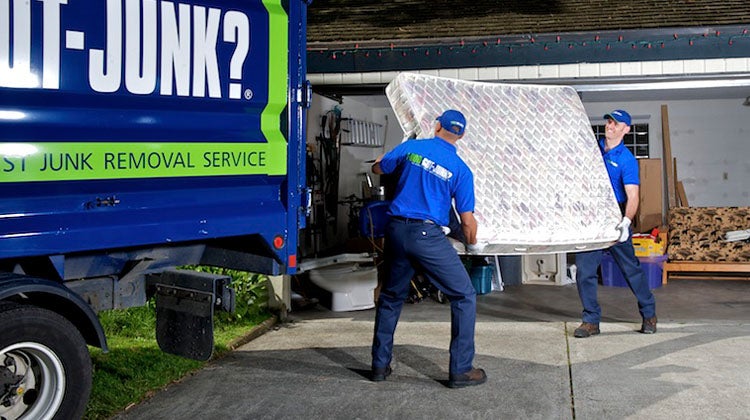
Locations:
(408, 220)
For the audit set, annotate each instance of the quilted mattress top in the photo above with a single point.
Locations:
(540, 181)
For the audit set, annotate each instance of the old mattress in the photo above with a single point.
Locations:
(540, 181)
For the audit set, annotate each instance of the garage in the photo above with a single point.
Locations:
(683, 75)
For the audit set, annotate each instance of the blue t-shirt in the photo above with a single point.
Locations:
(431, 173)
(622, 168)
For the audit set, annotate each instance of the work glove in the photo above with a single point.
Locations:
(624, 228)
(475, 248)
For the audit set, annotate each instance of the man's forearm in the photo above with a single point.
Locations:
(631, 208)
(633, 194)
(469, 227)
(376, 169)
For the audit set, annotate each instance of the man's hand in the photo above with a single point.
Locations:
(624, 228)
(475, 248)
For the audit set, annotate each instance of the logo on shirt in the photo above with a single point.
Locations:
(429, 166)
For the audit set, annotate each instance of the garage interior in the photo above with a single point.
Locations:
(683, 76)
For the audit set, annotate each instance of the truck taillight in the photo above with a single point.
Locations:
(278, 242)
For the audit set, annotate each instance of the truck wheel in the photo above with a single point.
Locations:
(45, 366)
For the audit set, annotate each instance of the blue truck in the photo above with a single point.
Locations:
(137, 136)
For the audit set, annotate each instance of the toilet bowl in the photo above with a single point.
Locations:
(352, 286)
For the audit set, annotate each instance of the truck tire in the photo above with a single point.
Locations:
(45, 366)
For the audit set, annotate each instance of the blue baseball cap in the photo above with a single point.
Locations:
(619, 116)
(453, 121)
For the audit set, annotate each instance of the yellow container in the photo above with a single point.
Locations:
(646, 246)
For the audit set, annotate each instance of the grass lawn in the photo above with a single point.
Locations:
(135, 367)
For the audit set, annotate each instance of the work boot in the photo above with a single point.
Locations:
(587, 329)
(379, 374)
(473, 377)
(648, 326)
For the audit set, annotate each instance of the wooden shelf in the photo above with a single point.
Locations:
(704, 270)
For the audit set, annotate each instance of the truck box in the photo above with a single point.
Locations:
(180, 125)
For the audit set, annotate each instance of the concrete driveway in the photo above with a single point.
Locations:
(316, 366)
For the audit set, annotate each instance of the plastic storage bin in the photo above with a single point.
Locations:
(481, 278)
(652, 267)
(646, 246)
(373, 217)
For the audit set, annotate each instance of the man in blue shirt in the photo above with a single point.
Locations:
(431, 174)
(623, 174)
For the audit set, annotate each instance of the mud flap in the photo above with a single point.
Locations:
(185, 303)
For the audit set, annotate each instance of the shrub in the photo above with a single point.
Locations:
(251, 295)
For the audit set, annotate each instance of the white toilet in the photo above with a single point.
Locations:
(352, 286)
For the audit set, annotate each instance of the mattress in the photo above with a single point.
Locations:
(540, 181)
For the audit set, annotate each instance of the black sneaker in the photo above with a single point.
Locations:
(586, 329)
(473, 377)
(648, 326)
(379, 374)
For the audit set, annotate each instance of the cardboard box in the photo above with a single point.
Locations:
(651, 206)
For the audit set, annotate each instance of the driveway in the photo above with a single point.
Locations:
(316, 365)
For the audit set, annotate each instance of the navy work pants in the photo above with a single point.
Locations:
(587, 280)
(416, 245)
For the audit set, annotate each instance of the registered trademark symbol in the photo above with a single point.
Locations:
(248, 94)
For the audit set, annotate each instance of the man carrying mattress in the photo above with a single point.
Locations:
(623, 174)
(431, 174)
